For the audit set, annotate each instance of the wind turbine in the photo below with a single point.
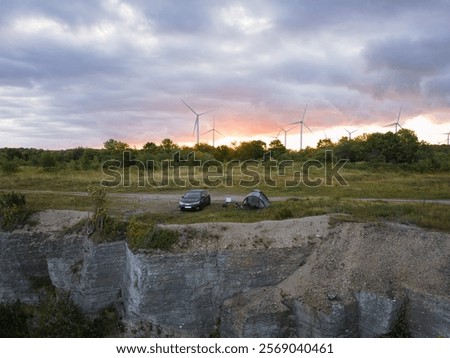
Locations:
(285, 134)
(448, 137)
(302, 123)
(396, 124)
(350, 133)
(197, 120)
(214, 131)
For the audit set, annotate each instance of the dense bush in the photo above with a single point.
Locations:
(13, 320)
(148, 236)
(402, 147)
(13, 211)
(57, 317)
(9, 167)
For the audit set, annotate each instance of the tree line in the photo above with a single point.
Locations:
(401, 149)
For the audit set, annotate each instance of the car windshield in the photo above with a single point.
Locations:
(192, 195)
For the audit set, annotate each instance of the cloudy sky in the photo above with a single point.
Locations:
(76, 73)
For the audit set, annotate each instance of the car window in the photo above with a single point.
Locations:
(192, 194)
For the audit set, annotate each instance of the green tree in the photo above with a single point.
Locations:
(167, 145)
(251, 150)
(276, 148)
(48, 160)
(223, 153)
(408, 146)
(204, 148)
(150, 147)
(113, 145)
(324, 143)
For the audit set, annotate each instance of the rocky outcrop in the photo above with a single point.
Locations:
(185, 291)
(344, 280)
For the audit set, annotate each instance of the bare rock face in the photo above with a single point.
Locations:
(428, 315)
(22, 265)
(257, 313)
(377, 314)
(185, 291)
(308, 277)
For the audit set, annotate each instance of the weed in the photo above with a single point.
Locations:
(400, 329)
(216, 330)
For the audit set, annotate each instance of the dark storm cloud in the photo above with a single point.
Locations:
(89, 70)
(422, 57)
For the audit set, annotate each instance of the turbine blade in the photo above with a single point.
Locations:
(207, 132)
(213, 110)
(399, 112)
(304, 112)
(308, 128)
(189, 107)
(223, 135)
(294, 123)
(195, 125)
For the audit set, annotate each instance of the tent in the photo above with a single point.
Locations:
(256, 200)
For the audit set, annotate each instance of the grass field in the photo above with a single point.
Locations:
(360, 183)
(66, 189)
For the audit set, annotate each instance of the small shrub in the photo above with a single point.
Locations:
(137, 229)
(102, 226)
(13, 211)
(137, 233)
(9, 167)
(216, 331)
(162, 239)
(56, 316)
(148, 236)
(284, 213)
(113, 230)
(13, 320)
(98, 196)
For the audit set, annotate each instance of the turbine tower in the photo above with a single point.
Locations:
(197, 120)
(285, 134)
(350, 133)
(214, 131)
(302, 123)
(396, 124)
(448, 137)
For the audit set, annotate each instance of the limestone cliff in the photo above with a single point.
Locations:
(311, 277)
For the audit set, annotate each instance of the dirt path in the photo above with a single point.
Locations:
(171, 197)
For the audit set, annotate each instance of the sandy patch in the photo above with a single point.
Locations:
(52, 221)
